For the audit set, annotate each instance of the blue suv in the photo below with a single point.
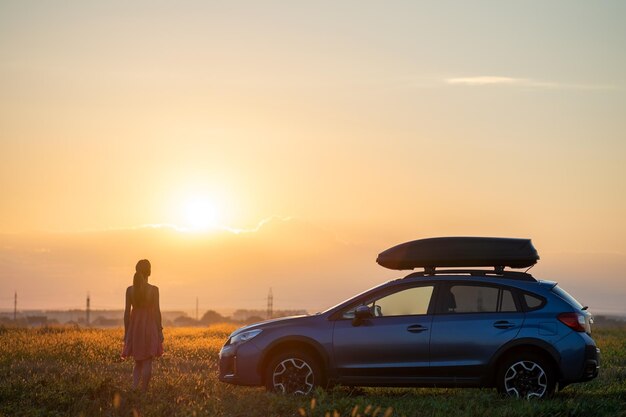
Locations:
(446, 328)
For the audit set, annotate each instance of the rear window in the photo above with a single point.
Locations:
(567, 297)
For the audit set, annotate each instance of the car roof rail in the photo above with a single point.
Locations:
(496, 272)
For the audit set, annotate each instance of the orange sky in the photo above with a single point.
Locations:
(374, 123)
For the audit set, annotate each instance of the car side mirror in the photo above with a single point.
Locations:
(360, 313)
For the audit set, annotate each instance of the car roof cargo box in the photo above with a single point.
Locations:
(460, 252)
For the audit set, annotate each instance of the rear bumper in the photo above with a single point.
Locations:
(579, 358)
(592, 363)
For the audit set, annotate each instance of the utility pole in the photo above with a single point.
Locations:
(270, 304)
(196, 308)
(87, 311)
(15, 307)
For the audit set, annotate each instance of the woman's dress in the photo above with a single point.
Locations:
(143, 339)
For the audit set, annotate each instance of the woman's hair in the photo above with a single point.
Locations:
(139, 282)
(143, 266)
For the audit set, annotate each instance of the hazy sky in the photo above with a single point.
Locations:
(377, 121)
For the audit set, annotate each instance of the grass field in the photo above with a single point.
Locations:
(78, 372)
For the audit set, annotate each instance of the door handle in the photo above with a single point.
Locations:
(416, 328)
(503, 324)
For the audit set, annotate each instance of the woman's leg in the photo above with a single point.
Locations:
(137, 371)
(146, 373)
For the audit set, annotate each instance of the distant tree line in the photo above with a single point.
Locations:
(179, 318)
(239, 316)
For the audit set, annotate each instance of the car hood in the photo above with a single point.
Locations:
(269, 323)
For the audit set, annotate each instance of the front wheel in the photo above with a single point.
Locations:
(526, 376)
(293, 373)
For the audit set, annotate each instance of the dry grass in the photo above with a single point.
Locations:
(73, 372)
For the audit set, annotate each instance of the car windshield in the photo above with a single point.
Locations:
(567, 297)
(351, 298)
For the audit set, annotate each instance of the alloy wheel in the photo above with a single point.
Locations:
(525, 379)
(293, 376)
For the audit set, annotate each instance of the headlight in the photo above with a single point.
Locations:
(245, 336)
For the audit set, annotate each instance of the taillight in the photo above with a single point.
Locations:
(574, 321)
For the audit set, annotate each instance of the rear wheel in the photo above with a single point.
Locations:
(526, 376)
(293, 372)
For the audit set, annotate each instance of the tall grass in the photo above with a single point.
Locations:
(79, 372)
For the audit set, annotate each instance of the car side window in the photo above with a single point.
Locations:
(507, 303)
(406, 302)
(477, 299)
(533, 302)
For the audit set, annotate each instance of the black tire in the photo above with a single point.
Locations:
(293, 372)
(526, 375)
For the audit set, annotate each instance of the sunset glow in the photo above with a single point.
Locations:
(352, 126)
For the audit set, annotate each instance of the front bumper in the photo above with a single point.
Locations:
(238, 364)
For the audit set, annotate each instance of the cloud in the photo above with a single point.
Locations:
(182, 229)
(490, 80)
(484, 80)
(259, 225)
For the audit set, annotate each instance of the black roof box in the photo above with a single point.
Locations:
(460, 252)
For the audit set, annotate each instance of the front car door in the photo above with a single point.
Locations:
(391, 346)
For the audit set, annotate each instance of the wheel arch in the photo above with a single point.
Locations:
(298, 343)
(525, 345)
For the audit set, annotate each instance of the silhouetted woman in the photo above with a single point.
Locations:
(143, 333)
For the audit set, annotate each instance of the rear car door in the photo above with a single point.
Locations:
(390, 346)
(472, 321)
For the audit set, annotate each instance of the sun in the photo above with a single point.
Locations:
(200, 214)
